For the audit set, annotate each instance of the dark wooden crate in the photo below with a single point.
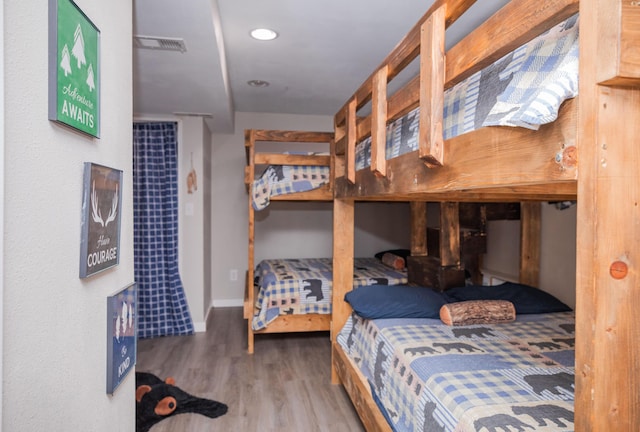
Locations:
(427, 271)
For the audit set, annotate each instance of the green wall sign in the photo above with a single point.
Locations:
(74, 68)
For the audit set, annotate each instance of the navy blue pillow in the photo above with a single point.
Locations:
(525, 298)
(395, 301)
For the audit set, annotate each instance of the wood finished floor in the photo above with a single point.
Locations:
(284, 386)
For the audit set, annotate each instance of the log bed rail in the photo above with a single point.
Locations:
(255, 158)
(254, 138)
(506, 164)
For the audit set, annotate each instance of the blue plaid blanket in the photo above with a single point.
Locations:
(285, 179)
(303, 286)
(428, 376)
(524, 88)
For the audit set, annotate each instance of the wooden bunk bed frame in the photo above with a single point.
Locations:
(284, 323)
(589, 154)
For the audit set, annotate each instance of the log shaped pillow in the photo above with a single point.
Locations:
(478, 312)
(394, 261)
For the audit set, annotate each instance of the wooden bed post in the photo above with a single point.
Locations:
(450, 234)
(343, 242)
(608, 221)
(419, 228)
(249, 302)
(530, 215)
(439, 268)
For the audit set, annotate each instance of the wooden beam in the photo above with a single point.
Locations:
(379, 123)
(557, 191)
(297, 323)
(450, 234)
(333, 165)
(291, 159)
(291, 136)
(620, 36)
(351, 141)
(607, 267)
(249, 302)
(431, 140)
(608, 238)
(419, 228)
(530, 223)
(343, 244)
(359, 391)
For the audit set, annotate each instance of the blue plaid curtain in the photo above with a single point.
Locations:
(162, 304)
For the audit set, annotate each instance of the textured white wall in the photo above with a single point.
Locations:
(558, 260)
(191, 216)
(2, 198)
(558, 251)
(55, 323)
(205, 182)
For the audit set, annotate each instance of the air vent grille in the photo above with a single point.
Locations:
(159, 43)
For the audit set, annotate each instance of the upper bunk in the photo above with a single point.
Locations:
(288, 166)
(485, 163)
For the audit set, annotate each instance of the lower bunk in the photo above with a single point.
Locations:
(420, 374)
(295, 295)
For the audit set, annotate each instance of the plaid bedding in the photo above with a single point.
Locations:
(428, 376)
(302, 286)
(524, 88)
(285, 179)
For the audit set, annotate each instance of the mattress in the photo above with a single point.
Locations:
(523, 89)
(303, 286)
(285, 179)
(427, 376)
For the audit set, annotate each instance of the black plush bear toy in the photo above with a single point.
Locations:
(157, 400)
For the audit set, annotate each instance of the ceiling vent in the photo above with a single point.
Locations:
(159, 43)
(192, 114)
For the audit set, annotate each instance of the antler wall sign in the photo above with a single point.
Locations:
(95, 207)
(99, 247)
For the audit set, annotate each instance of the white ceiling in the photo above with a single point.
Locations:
(325, 50)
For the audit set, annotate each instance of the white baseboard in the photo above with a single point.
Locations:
(224, 303)
(200, 327)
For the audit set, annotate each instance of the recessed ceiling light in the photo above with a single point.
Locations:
(263, 34)
(258, 83)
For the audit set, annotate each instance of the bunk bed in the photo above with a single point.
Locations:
(278, 175)
(294, 294)
(489, 163)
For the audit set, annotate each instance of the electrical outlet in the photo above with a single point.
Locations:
(233, 275)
